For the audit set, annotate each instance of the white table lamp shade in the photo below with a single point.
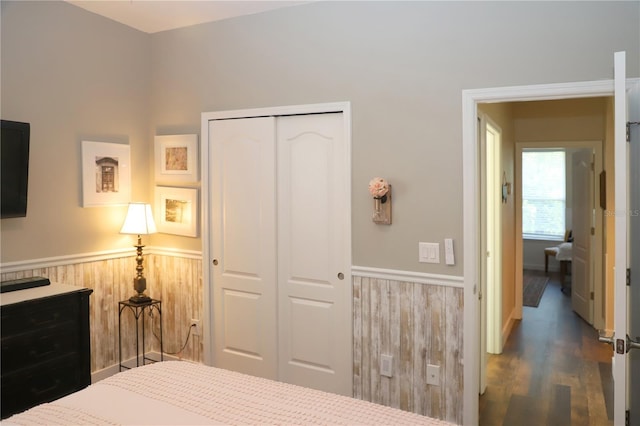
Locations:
(139, 220)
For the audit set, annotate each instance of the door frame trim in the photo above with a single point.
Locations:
(205, 200)
(470, 152)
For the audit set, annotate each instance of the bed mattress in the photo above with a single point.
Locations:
(185, 393)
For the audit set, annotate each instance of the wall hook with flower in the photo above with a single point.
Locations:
(380, 190)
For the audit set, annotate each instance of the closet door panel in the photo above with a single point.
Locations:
(244, 245)
(242, 323)
(314, 304)
(312, 353)
(309, 206)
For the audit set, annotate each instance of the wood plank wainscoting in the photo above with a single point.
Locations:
(417, 323)
(415, 318)
(174, 279)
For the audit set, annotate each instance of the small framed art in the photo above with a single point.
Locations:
(176, 158)
(106, 174)
(177, 210)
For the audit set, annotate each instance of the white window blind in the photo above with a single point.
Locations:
(543, 193)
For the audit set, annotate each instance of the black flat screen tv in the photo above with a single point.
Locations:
(14, 168)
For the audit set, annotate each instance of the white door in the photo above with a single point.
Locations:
(634, 252)
(281, 248)
(622, 217)
(581, 218)
(243, 227)
(314, 280)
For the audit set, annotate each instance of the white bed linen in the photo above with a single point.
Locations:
(565, 251)
(184, 393)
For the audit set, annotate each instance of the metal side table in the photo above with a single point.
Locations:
(138, 310)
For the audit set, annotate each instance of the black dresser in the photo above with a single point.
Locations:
(46, 351)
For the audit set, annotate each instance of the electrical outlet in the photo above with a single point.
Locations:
(433, 374)
(386, 365)
(196, 331)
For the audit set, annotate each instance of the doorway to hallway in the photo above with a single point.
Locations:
(533, 117)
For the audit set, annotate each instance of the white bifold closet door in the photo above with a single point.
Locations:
(280, 232)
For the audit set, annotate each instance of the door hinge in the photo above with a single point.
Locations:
(629, 124)
(627, 420)
(591, 295)
(629, 276)
(593, 231)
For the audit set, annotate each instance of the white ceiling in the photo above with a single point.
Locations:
(152, 16)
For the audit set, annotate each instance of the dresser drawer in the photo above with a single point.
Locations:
(26, 349)
(43, 383)
(36, 315)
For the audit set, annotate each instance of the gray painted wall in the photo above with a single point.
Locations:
(402, 65)
(74, 76)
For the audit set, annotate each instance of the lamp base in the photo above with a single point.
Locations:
(140, 285)
(140, 298)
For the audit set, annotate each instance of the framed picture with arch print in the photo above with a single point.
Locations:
(106, 174)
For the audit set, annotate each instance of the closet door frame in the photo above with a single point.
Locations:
(205, 205)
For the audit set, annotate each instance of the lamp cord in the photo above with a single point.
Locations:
(153, 330)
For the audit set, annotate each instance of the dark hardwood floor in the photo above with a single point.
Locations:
(553, 370)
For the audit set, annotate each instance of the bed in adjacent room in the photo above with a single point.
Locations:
(180, 392)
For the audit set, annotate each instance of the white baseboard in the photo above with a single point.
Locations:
(506, 330)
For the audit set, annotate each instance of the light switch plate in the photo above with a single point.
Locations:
(448, 252)
(429, 252)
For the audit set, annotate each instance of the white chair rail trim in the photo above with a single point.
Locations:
(48, 262)
(165, 251)
(357, 271)
(408, 276)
